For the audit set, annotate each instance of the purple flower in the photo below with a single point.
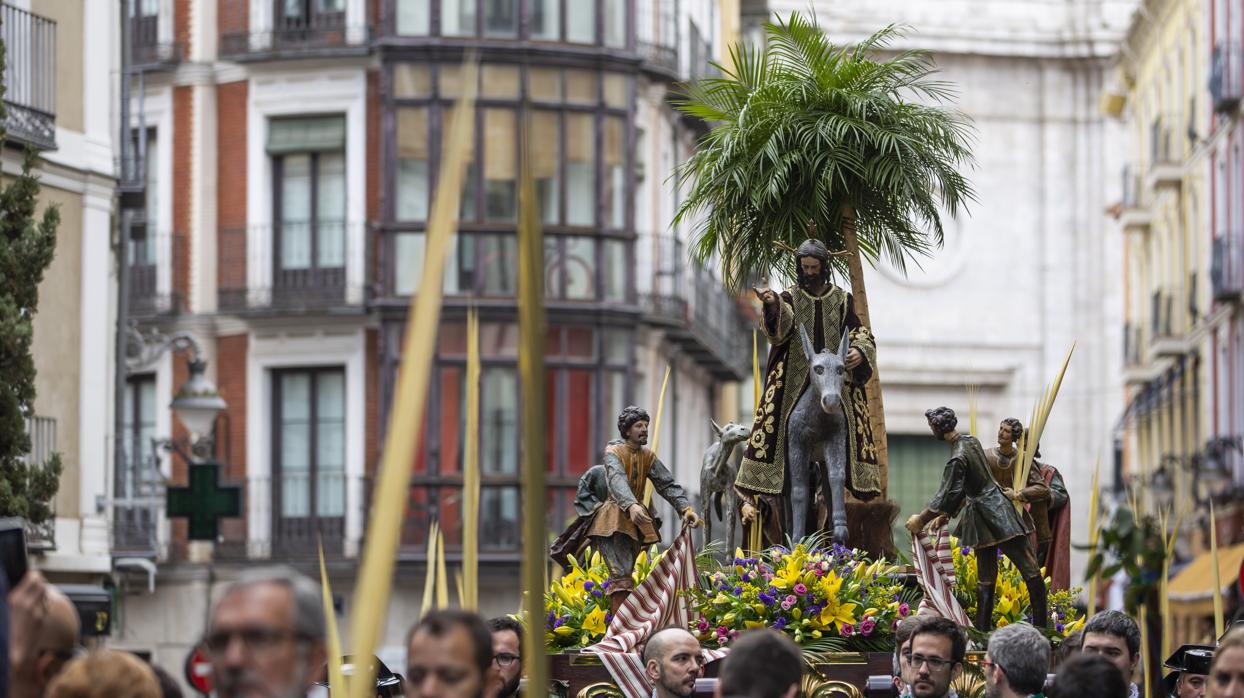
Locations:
(722, 630)
(867, 627)
(608, 618)
(787, 604)
(848, 630)
(703, 625)
(965, 550)
(792, 599)
(814, 611)
(779, 624)
(587, 586)
(738, 591)
(894, 625)
(597, 593)
(800, 588)
(604, 584)
(1059, 627)
(903, 610)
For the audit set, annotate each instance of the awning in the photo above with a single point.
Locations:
(1195, 583)
(313, 134)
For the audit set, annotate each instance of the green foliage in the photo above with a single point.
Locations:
(805, 131)
(1134, 546)
(26, 248)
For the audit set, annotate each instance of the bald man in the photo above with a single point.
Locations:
(45, 629)
(672, 662)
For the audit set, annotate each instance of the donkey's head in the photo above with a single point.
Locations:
(826, 371)
(731, 433)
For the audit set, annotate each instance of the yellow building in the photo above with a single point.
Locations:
(54, 68)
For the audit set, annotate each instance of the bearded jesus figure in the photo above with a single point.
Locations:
(763, 482)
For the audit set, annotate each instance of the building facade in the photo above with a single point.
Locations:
(291, 155)
(55, 70)
(1020, 276)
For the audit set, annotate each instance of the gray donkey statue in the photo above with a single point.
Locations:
(816, 437)
(717, 481)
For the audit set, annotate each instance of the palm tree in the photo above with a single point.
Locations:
(809, 135)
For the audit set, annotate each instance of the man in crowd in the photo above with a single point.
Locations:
(448, 655)
(507, 657)
(1016, 663)
(1190, 665)
(672, 662)
(266, 635)
(762, 663)
(1088, 675)
(44, 636)
(1116, 637)
(935, 657)
(902, 647)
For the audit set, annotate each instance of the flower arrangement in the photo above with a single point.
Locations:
(830, 597)
(1011, 603)
(577, 604)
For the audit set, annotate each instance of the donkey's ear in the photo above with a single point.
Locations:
(716, 427)
(807, 343)
(844, 346)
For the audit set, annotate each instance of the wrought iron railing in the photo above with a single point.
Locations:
(149, 47)
(1226, 69)
(1227, 266)
(291, 266)
(154, 259)
(29, 77)
(297, 27)
(656, 33)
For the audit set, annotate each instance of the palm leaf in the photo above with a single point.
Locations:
(804, 130)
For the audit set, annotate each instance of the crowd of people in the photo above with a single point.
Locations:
(266, 637)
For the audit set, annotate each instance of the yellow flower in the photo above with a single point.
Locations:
(1003, 622)
(595, 621)
(837, 614)
(728, 619)
(563, 630)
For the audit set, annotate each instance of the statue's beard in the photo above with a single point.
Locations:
(812, 282)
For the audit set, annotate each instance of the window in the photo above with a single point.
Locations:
(308, 163)
(580, 166)
(915, 467)
(581, 22)
(299, 15)
(586, 386)
(413, 166)
(308, 459)
(135, 523)
(501, 18)
(545, 20)
(615, 23)
(500, 165)
(143, 249)
(458, 17)
(413, 18)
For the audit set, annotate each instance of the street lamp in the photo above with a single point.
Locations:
(196, 404)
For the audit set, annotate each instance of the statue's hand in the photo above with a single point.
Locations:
(1012, 494)
(691, 518)
(939, 522)
(638, 514)
(766, 296)
(914, 524)
(747, 513)
(854, 359)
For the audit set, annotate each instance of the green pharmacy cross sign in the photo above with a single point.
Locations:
(204, 501)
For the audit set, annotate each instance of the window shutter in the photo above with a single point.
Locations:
(305, 135)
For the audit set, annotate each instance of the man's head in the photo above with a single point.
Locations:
(761, 664)
(672, 662)
(1115, 636)
(1071, 645)
(812, 265)
(1017, 662)
(106, 674)
(902, 643)
(1009, 431)
(1191, 665)
(942, 421)
(935, 657)
(51, 645)
(266, 635)
(506, 668)
(1226, 676)
(1088, 675)
(447, 656)
(633, 424)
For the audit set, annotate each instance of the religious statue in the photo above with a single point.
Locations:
(766, 480)
(988, 521)
(612, 518)
(1055, 555)
(1035, 495)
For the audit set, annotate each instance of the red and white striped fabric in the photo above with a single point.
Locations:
(658, 602)
(935, 566)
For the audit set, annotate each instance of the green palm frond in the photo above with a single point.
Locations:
(806, 131)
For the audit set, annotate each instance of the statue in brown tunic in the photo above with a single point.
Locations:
(612, 518)
(1035, 494)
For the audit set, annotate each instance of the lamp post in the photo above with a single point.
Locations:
(196, 404)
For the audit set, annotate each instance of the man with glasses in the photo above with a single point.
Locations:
(44, 635)
(672, 662)
(1017, 662)
(265, 635)
(506, 669)
(448, 655)
(935, 658)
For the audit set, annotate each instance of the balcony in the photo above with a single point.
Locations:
(693, 307)
(290, 29)
(29, 77)
(1165, 166)
(702, 56)
(42, 433)
(1225, 85)
(152, 46)
(656, 35)
(291, 515)
(137, 508)
(153, 257)
(292, 267)
(1227, 267)
(1134, 213)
